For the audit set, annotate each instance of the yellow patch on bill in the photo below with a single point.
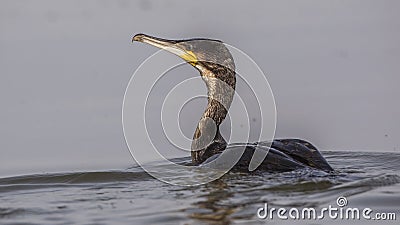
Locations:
(190, 57)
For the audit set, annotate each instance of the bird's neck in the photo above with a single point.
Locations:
(207, 139)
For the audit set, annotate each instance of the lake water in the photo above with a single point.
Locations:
(131, 196)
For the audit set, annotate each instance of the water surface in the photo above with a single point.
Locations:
(131, 196)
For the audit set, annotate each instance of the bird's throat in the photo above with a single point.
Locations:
(207, 139)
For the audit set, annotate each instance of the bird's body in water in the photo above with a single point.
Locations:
(217, 68)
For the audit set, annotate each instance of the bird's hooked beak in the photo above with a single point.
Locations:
(169, 45)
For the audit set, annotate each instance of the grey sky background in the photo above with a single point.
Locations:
(64, 66)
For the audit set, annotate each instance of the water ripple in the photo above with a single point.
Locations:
(132, 196)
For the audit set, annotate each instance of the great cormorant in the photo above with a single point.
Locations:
(217, 68)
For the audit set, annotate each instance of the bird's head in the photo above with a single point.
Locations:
(211, 57)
